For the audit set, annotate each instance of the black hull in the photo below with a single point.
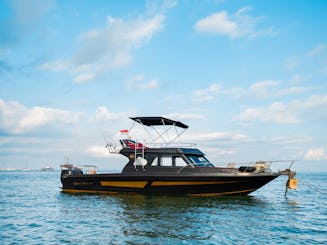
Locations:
(166, 185)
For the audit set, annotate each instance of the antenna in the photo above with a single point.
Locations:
(104, 137)
(110, 145)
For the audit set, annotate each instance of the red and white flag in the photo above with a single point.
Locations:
(124, 131)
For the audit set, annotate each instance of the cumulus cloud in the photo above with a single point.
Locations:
(270, 88)
(298, 78)
(97, 151)
(137, 82)
(103, 114)
(277, 112)
(17, 119)
(84, 77)
(184, 116)
(259, 90)
(103, 49)
(316, 54)
(237, 25)
(317, 50)
(213, 136)
(263, 89)
(217, 23)
(207, 94)
(217, 152)
(316, 154)
(292, 90)
(287, 113)
(292, 62)
(59, 65)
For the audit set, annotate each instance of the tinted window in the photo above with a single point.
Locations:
(199, 161)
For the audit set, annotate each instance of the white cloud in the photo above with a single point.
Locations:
(137, 82)
(103, 49)
(317, 50)
(103, 114)
(184, 116)
(316, 154)
(269, 88)
(17, 119)
(298, 78)
(217, 23)
(207, 94)
(318, 54)
(213, 136)
(58, 65)
(292, 90)
(84, 77)
(98, 151)
(292, 62)
(238, 25)
(259, 90)
(276, 113)
(287, 113)
(217, 152)
(263, 89)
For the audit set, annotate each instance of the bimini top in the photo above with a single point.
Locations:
(158, 121)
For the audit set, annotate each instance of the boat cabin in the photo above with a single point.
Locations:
(164, 159)
(149, 157)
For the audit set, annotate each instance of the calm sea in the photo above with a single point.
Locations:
(34, 211)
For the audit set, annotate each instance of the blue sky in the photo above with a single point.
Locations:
(249, 78)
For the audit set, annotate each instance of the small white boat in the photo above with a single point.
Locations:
(47, 168)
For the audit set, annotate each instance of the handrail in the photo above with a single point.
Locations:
(269, 163)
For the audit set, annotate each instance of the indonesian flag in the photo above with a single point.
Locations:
(124, 131)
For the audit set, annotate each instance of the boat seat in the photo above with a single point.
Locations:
(128, 143)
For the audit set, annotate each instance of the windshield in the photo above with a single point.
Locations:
(200, 161)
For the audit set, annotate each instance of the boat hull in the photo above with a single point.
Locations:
(166, 185)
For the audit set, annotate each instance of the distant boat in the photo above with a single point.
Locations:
(25, 169)
(47, 168)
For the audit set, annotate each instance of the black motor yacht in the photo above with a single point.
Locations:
(169, 169)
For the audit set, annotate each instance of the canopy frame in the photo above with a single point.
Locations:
(153, 122)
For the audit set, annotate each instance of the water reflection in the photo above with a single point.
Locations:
(149, 219)
(140, 202)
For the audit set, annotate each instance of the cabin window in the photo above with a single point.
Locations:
(166, 161)
(155, 162)
(169, 161)
(200, 161)
(179, 162)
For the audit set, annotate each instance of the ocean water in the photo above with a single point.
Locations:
(33, 210)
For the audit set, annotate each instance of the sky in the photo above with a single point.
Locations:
(248, 77)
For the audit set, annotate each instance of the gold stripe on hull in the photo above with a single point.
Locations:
(128, 184)
(175, 183)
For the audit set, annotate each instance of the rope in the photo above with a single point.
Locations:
(320, 190)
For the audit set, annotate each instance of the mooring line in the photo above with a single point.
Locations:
(320, 190)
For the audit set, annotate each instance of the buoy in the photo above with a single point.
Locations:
(292, 184)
